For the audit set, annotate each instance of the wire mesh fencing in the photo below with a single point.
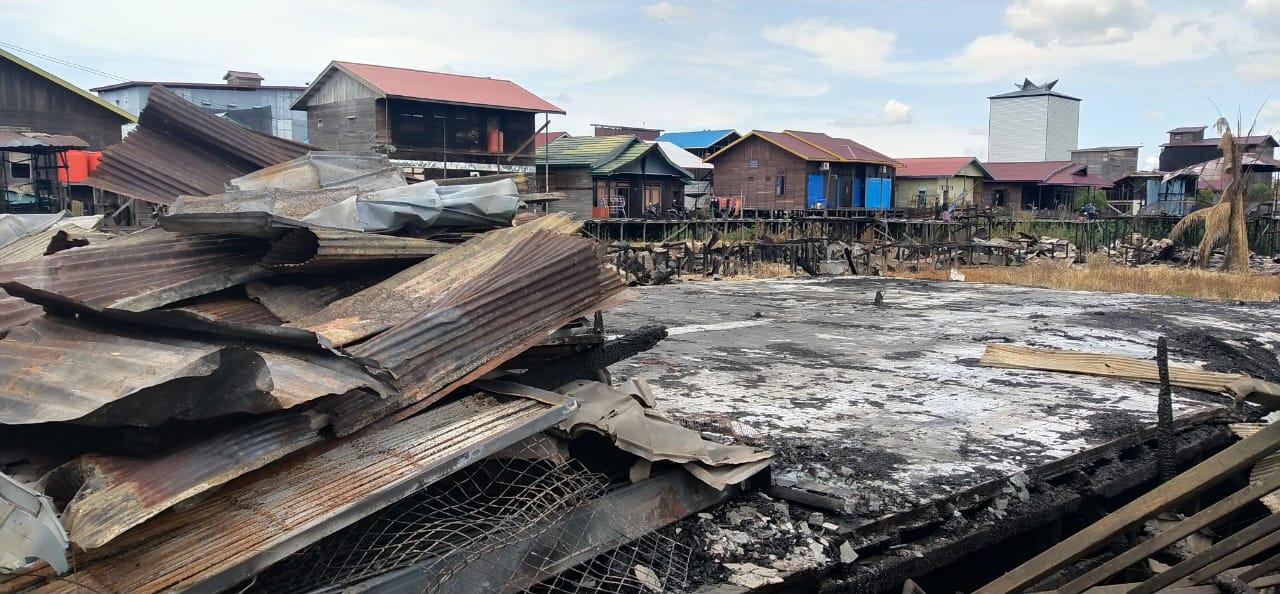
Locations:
(517, 522)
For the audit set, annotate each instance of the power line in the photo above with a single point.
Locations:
(63, 62)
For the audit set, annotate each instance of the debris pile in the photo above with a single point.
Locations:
(759, 540)
(189, 405)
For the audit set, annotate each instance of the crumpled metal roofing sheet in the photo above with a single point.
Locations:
(231, 309)
(115, 493)
(281, 509)
(71, 371)
(26, 141)
(134, 273)
(179, 149)
(62, 235)
(323, 250)
(545, 280)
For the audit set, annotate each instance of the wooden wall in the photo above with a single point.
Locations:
(756, 185)
(350, 125)
(30, 101)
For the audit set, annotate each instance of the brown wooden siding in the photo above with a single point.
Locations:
(757, 185)
(343, 125)
(30, 101)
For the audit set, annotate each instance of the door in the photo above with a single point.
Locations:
(878, 192)
(813, 191)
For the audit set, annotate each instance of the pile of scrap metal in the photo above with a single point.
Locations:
(279, 363)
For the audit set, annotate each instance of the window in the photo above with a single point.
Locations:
(1177, 137)
(753, 163)
(779, 185)
(22, 170)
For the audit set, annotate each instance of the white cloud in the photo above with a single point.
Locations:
(289, 45)
(860, 50)
(1077, 22)
(1266, 11)
(894, 113)
(1151, 163)
(1260, 67)
(665, 11)
(1008, 55)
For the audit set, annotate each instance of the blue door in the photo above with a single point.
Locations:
(813, 197)
(859, 199)
(879, 192)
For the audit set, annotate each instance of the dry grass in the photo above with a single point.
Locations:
(1106, 277)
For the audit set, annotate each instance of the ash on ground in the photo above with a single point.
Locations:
(757, 540)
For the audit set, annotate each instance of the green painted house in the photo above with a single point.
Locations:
(611, 176)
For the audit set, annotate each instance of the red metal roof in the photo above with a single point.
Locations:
(933, 166)
(792, 144)
(845, 149)
(1061, 173)
(448, 88)
(545, 137)
(1027, 171)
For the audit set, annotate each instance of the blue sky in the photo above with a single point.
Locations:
(909, 78)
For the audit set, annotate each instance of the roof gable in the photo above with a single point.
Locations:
(941, 167)
(585, 151)
(1028, 171)
(843, 148)
(439, 87)
(90, 97)
(639, 152)
(1026, 88)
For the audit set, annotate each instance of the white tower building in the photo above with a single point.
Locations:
(1033, 123)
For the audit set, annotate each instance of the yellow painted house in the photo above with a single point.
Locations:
(931, 181)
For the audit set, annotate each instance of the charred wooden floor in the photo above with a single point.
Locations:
(883, 419)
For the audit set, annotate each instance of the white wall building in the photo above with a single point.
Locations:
(1033, 123)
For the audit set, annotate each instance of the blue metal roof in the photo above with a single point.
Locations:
(695, 139)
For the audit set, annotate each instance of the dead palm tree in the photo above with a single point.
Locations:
(1226, 219)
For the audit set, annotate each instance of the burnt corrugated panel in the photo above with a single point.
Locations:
(543, 282)
(66, 370)
(180, 149)
(231, 309)
(111, 494)
(135, 273)
(318, 250)
(281, 509)
(404, 295)
(293, 297)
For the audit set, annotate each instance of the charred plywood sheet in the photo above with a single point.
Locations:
(240, 530)
(887, 405)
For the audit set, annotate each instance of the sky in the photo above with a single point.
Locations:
(908, 78)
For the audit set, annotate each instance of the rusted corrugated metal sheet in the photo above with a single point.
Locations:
(231, 309)
(544, 281)
(179, 149)
(323, 250)
(404, 295)
(115, 493)
(61, 236)
(106, 377)
(280, 510)
(294, 297)
(134, 273)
